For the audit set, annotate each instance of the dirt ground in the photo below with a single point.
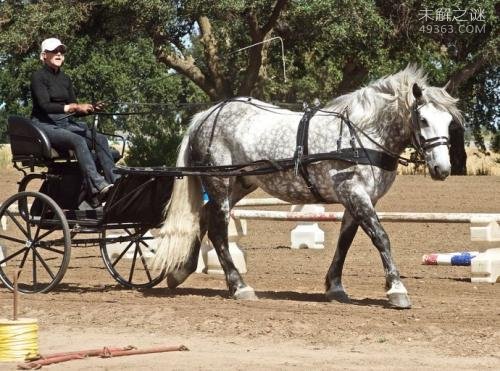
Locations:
(454, 324)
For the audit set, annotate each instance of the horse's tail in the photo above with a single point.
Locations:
(181, 228)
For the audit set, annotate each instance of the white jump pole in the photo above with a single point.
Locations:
(261, 202)
(335, 216)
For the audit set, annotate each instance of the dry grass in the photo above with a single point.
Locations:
(477, 163)
(480, 164)
(5, 156)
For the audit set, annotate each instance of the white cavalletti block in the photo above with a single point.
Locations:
(2, 256)
(3, 222)
(484, 229)
(208, 261)
(307, 234)
(485, 267)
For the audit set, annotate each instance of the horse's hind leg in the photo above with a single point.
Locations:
(240, 188)
(361, 208)
(218, 219)
(333, 281)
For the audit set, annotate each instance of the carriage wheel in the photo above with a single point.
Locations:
(130, 262)
(34, 241)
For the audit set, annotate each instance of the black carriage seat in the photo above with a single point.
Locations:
(31, 146)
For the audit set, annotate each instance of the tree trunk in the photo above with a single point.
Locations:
(458, 157)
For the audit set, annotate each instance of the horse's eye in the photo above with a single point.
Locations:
(424, 122)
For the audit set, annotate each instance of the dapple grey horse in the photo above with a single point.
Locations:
(387, 116)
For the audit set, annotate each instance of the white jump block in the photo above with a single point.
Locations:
(2, 256)
(484, 229)
(236, 229)
(115, 249)
(485, 267)
(208, 261)
(307, 234)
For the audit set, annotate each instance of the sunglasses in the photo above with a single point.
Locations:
(57, 50)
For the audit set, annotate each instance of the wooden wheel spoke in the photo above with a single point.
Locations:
(51, 249)
(33, 271)
(47, 268)
(11, 256)
(16, 222)
(23, 260)
(122, 254)
(144, 264)
(13, 239)
(132, 268)
(45, 234)
(37, 232)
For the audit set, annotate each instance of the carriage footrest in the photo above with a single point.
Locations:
(93, 217)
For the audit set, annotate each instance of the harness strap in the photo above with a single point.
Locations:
(303, 150)
(262, 167)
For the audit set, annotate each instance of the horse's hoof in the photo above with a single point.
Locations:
(174, 279)
(245, 293)
(337, 295)
(399, 300)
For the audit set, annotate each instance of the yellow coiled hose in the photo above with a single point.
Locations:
(18, 339)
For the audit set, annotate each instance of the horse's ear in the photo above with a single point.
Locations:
(417, 91)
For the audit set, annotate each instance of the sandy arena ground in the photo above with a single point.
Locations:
(454, 324)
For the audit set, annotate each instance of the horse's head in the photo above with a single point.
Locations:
(431, 119)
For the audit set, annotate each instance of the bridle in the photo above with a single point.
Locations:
(420, 143)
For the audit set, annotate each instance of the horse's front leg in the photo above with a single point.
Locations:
(333, 281)
(359, 205)
(218, 220)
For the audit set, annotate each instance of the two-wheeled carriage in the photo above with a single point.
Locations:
(48, 216)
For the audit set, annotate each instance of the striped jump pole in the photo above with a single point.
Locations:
(451, 258)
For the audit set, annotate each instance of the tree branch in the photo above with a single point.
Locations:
(184, 65)
(258, 35)
(213, 62)
(465, 73)
(280, 4)
(353, 75)
(187, 67)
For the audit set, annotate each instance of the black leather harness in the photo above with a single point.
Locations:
(353, 155)
(303, 150)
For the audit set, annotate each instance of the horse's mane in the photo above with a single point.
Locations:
(392, 95)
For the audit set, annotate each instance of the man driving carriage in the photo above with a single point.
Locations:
(54, 105)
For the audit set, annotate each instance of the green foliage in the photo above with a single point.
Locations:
(483, 107)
